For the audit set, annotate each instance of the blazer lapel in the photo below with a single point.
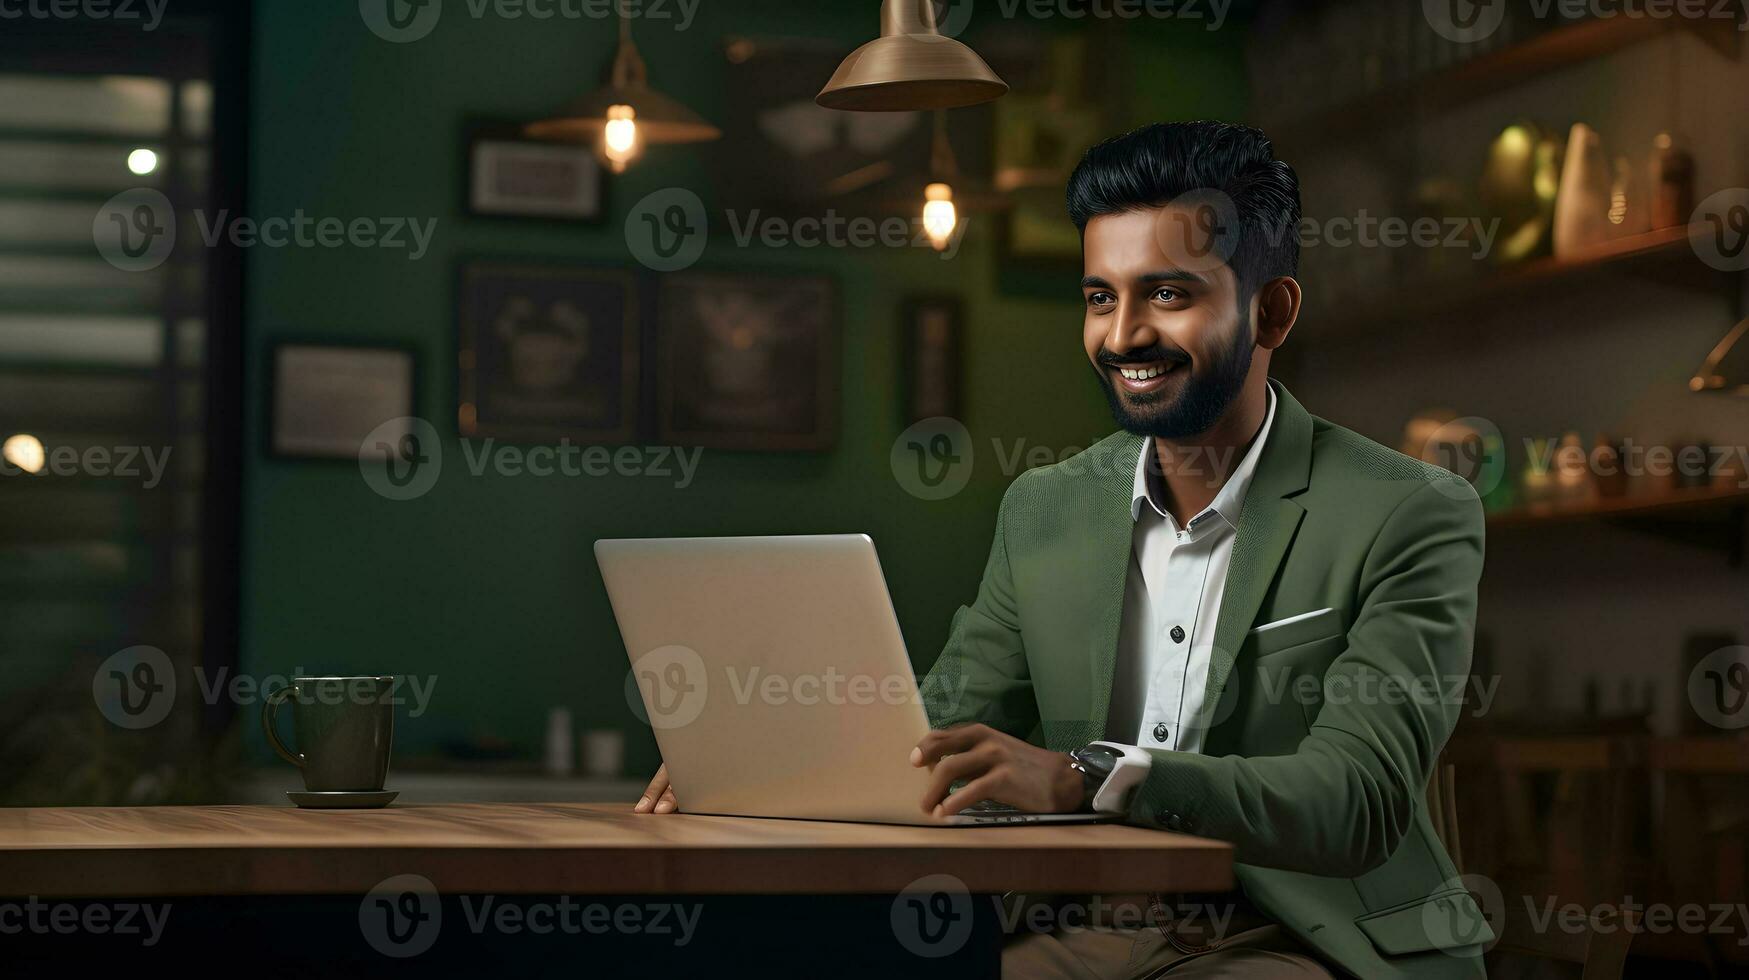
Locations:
(1266, 528)
(1109, 541)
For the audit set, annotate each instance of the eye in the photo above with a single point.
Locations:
(1167, 294)
(1100, 299)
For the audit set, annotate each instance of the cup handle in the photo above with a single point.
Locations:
(270, 712)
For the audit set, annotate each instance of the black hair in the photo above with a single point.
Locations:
(1154, 165)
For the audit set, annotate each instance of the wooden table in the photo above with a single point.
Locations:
(296, 892)
(582, 848)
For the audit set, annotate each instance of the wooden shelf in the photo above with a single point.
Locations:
(1711, 518)
(1636, 505)
(1666, 254)
(1557, 48)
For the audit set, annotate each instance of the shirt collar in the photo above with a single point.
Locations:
(1231, 498)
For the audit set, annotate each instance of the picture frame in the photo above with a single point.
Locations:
(931, 345)
(326, 398)
(748, 361)
(509, 175)
(548, 353)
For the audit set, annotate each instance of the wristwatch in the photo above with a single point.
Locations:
(1109, 772)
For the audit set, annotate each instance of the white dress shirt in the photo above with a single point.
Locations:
(1172, 598)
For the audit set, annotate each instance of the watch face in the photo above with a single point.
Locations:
(1098, 759)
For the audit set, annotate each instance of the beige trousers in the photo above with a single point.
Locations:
(1266, 952)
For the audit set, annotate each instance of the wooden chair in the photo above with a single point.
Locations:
(1601, 951)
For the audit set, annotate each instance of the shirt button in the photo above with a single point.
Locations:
(1161, 731)
(1177, 634)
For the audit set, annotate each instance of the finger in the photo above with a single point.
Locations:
(948, 741)
(667, 804)
(652, 793)
(963, 765)
(985, 787)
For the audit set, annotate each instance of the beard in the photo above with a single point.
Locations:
(1195, 407)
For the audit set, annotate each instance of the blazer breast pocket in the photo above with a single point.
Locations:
(1295, 631)
(1283, 664)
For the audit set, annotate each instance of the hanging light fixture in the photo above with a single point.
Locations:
(625, 115)
(940, 217)
(911, 66)
(1727, 368)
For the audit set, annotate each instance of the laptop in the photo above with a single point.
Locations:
(775, 678)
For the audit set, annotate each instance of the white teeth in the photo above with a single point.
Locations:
(1142, 374)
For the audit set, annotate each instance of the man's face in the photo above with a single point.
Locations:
(1165, 328)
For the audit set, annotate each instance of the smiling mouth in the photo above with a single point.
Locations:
(1142, 378)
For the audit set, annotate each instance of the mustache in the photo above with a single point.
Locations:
(1142, 355)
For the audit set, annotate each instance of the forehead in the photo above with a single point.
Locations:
(1131, 245)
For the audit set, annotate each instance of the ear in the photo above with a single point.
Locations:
(1278, 308)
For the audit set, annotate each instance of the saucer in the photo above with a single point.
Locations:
(344, 800)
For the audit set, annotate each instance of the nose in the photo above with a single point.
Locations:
(1131, 329)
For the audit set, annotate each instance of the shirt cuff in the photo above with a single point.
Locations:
(1131, 769)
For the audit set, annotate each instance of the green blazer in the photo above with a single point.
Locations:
(1321, 733)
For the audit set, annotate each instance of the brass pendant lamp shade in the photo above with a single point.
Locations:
(660, 118)
(911, 66)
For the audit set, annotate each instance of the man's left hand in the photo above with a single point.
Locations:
(995, 766)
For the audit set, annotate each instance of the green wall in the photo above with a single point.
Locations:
(489, 582)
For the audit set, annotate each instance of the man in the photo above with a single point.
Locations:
(1230, 619)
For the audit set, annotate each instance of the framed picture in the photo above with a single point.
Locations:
(931, 346)
(748, 362)
(328, 398)
(548, 353)
(510, 175)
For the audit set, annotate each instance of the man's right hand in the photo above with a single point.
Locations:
(659, 797)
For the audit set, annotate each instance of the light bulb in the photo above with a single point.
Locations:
(939, 215)
(142, 161)
(25, 452)
(620, 137)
